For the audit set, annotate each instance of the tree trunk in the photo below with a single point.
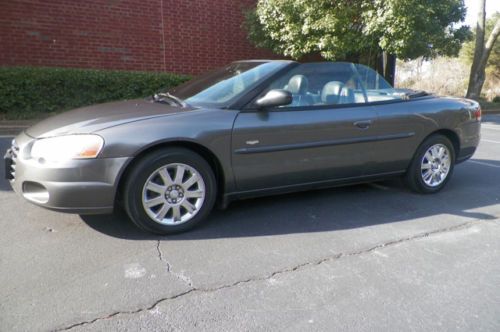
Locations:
(390, 69)
(385, 65)
(478, 51)
(476, 85)
(482, 52)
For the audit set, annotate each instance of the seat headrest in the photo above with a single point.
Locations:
(298, 84)
(331, 92)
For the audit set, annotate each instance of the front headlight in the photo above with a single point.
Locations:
(67, 147)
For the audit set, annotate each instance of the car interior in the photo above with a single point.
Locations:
(310, 87)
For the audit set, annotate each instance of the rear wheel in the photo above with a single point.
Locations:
(432, 165)
(170, 191)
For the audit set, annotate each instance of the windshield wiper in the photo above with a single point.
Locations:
(160, 97)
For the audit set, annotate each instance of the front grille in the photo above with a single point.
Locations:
(14, 152)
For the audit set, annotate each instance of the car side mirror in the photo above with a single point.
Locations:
(275, 97)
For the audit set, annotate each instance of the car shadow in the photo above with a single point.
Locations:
(332, 209)
(4, 184)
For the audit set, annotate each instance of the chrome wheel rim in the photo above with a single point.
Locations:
(173, 194)
(435, 165)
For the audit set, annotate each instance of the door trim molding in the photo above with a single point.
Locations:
(319, 144)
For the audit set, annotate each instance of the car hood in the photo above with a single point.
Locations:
(97, 117)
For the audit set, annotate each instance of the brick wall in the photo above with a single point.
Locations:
(183, 36)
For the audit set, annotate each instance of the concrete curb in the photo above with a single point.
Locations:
(12, 128)
(494, 111)
(11, 131)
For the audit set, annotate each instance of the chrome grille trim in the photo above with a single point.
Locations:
(14, 153)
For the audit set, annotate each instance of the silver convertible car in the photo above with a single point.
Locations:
(251, 128)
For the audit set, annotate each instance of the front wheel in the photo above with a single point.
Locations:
(170, 191)
(432, 165)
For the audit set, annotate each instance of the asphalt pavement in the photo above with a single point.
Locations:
(372, 257)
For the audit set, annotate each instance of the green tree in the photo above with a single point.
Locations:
(354, 29)
(484, 52)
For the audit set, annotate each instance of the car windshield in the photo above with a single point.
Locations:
(225, 85)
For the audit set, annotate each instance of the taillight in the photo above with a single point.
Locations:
(477, 113)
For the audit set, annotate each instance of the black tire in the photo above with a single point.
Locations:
(141, 172)
(414, 178)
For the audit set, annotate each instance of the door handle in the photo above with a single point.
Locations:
(365, 124)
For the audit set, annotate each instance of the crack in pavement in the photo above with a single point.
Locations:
(301, 266)
(179, 276)
(160, 255)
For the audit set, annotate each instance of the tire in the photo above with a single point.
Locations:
(169, 191)
(427, 175)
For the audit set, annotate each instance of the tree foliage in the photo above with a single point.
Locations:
(342, 29)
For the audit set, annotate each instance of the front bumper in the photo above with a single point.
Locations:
(75, 186)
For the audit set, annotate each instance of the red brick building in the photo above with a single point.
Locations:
(182, 36)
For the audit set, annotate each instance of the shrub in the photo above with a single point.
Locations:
(496, 99)
(28, 92)
(443, 76)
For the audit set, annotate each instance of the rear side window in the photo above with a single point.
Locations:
(323, 83)
(333, 83)
(375, 85)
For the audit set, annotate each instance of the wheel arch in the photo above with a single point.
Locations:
(413, 175)
(448, 133)
(451, 135)
(195, 147)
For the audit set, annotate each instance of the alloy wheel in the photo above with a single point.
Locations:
(173, 194)
(435, 165)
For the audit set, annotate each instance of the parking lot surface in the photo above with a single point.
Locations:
(372, 257)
